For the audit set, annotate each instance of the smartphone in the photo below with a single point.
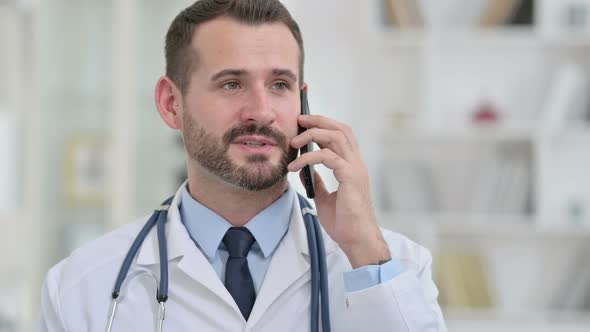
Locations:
(307, 170)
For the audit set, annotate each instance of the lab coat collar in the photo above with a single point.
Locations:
(192, 261)
(179, 240)
(177, 237)
(289, 265)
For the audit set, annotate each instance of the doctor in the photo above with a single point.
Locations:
(238, 257)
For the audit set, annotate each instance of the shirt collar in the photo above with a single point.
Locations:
(207, 228)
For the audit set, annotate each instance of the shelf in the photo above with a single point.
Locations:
(566, 40)
(487, 135)
(569, 135)
(505, 227)
(520, 37)
(492, 320)
(521, 316)
(481, 134)
(500, 37)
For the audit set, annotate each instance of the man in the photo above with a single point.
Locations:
(232, 87)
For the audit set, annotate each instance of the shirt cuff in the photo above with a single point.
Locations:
(371, 275)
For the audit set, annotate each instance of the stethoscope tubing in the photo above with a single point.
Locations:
(315, 269)
(319, 271)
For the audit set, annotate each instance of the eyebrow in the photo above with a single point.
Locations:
(285, 72)
(241, 72)
(228, 72)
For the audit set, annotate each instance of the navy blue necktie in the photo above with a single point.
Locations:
(238, 280)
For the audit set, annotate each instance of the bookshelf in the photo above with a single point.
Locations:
(499, 36)
(433, 159)
(406, 79)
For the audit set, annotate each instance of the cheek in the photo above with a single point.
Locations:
(288, 123)
(211, 114)
(287, 118)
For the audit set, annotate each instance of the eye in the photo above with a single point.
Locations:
(233, 85)
(280, 86)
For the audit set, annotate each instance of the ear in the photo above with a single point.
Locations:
(169, 102)
(304, 87)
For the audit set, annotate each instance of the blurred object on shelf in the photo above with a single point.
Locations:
(486, 114)
(504, 182)
(564, 196)
(436, 14)
(408, 186)
(452, 13)
(577, 211)
(511, 12)
(461, 278)
(567, 101)
(402, 13)
(524, 13)
(85, 171)
(459, 176)
(564, 17)
(498, 12)
(574, 291)
(401, 120)
(576, 17)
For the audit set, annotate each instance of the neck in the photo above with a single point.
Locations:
(234, 204)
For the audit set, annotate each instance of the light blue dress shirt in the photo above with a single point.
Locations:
(207, 229)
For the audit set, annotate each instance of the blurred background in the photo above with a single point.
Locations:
(473, 117)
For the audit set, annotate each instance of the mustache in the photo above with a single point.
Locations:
(253, 129)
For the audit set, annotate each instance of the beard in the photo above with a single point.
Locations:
(212, 154)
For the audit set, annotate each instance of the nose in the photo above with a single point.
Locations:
(258, 107)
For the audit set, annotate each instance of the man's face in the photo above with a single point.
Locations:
(240, 110)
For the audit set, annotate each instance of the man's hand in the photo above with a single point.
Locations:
(346, 214)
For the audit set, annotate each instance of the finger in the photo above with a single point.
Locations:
(319, 121)
(324, 156)
(331, 139)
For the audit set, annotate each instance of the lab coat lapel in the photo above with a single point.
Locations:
(192, 261)
(197, 267)
(289, 263)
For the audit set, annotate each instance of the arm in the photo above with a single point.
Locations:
(406, 300)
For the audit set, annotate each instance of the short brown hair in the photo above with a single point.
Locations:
(180, 61)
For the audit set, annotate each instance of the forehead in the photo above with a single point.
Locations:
(226, 43)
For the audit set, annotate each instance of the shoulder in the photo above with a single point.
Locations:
(106, 252)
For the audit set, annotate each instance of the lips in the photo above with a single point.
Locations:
(255, 141)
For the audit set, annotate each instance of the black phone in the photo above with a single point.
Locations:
(307, 170)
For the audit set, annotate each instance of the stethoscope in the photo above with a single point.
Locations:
(319, 273)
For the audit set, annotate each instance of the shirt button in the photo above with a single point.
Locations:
(347, 303)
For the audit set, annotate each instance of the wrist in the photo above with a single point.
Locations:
(372, 251)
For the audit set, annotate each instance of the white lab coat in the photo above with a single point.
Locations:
(77, 291)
